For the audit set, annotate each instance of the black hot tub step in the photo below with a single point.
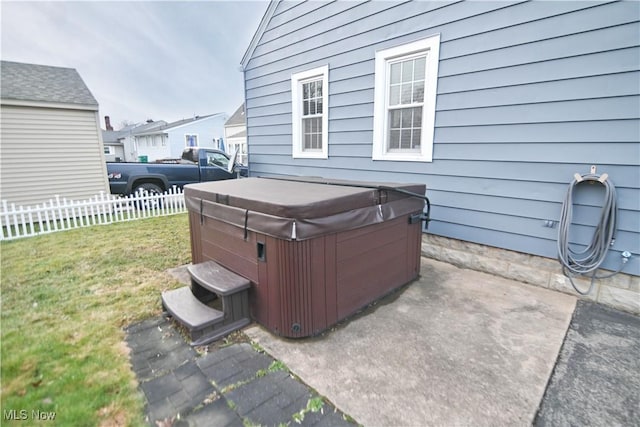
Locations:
(185, 308)
(205, 324)
(217, 279)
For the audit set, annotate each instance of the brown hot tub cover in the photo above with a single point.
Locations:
(302, 208)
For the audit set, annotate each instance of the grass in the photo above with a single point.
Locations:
(315, 404)
(65, 298)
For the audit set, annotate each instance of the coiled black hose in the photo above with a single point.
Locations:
(587, 261)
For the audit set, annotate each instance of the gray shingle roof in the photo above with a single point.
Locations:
(148, 127)
(111, 136)
(189, 120)
(241, 134)
(237, 118)
(166, 126)
(43, 83)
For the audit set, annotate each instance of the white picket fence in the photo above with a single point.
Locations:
(60, 214)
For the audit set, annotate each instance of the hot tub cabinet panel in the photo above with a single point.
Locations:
(301, 286)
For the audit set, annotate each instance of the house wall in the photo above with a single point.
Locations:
(130, 153)
(154, 146)
(128, 138)
(529, 93)
(117, 152)
(241, 145)
(232, 141)
(50, 151)
(207, 129)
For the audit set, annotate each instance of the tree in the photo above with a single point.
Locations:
(125, 123)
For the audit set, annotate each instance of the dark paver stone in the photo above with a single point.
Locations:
(232, 371)
(596, 380)
(329, 419)
(255, 363)
(219, 355)
(298, 404)
(160, 410)
(168, 360)
(175, 379)
(186, 370)
(141, 367)
(293, 388)
(181, 401)
(216, 414)
(146, 355)
(196, 384)
(283, 401)
(246, 352)
(221, 372)
(156, 336)
(269, 414)
(161, 387)
(249, 396)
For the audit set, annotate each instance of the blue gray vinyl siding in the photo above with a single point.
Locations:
(529, 93)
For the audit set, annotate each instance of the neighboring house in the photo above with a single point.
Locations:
(169, 140)
(493, 105)
(128, 138)
(119, 145)
(113, 146)
(235, 134)
(112, 141)
(51, 142)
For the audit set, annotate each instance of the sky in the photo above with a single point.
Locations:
(141, 60)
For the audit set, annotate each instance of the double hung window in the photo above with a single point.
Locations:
(404, 104)
(309, 93)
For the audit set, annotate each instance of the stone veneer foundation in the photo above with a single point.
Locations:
(621, 291)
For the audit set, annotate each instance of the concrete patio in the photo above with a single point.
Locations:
(456, 347)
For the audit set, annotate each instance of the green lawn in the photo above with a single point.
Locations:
(65, 298)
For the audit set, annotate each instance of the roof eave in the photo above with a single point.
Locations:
(258, 34)
(45, 104)
(151, 132)
(199, 119)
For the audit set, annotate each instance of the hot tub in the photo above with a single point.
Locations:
(315, 250)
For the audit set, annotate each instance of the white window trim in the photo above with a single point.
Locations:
(430, 44)
(296, 109)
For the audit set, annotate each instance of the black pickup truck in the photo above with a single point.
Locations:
(196, 165)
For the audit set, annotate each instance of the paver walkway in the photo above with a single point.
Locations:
(596, 381)
(230, 386)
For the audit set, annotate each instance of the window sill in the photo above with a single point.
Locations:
(310, 155)
(403, 157)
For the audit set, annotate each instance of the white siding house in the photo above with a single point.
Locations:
(235, 134)
(169, 140)
(493, 105)
(127, 136)
(113, 146)
(51, 142)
